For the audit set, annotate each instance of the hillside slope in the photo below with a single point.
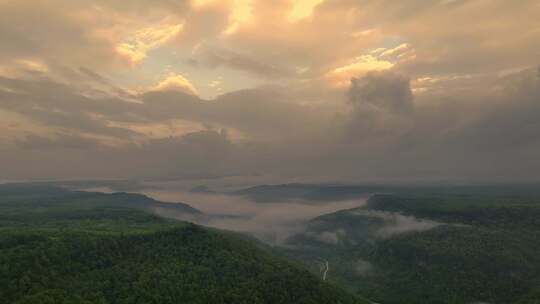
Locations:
(448, 249)
(110, 253)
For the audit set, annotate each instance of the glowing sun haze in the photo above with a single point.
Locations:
(309, 89)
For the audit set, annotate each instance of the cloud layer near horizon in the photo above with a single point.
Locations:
(337, 89)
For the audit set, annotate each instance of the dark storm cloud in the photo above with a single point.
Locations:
(382, 103)
(384, 91)
(487, 132)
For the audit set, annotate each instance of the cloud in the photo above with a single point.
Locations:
(102, 34)
(363, 267)
(458, 37)
(383, 132)
(175, 83)
(382, 103)
(260, 114)
(57, 105)
(302, 9)
(328, 237)
(60, 141)
(395, 223)
(351, 90)
(213, 57)
(385, 91)
(397, 51)
(361, 65)
(136, 45)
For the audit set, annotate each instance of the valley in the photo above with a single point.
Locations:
(405, 245)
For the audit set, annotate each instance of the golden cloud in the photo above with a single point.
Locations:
(341, 76)
(302, 9)
(175, 82)
(141, 41)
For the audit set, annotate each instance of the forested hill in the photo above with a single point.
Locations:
(336, 192)
(42, 195)
(431, 248)
(98, 251)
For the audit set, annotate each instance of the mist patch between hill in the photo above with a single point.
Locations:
(395, 223)
(271, 222)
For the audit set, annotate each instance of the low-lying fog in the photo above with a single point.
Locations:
(272, 222)
(395, 223)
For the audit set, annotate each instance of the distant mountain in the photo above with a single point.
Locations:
(201, 189)
(313, 192)
(335, 192)
(56, 197)
(144, 202)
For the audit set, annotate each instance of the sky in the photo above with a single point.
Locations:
(314, 90)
